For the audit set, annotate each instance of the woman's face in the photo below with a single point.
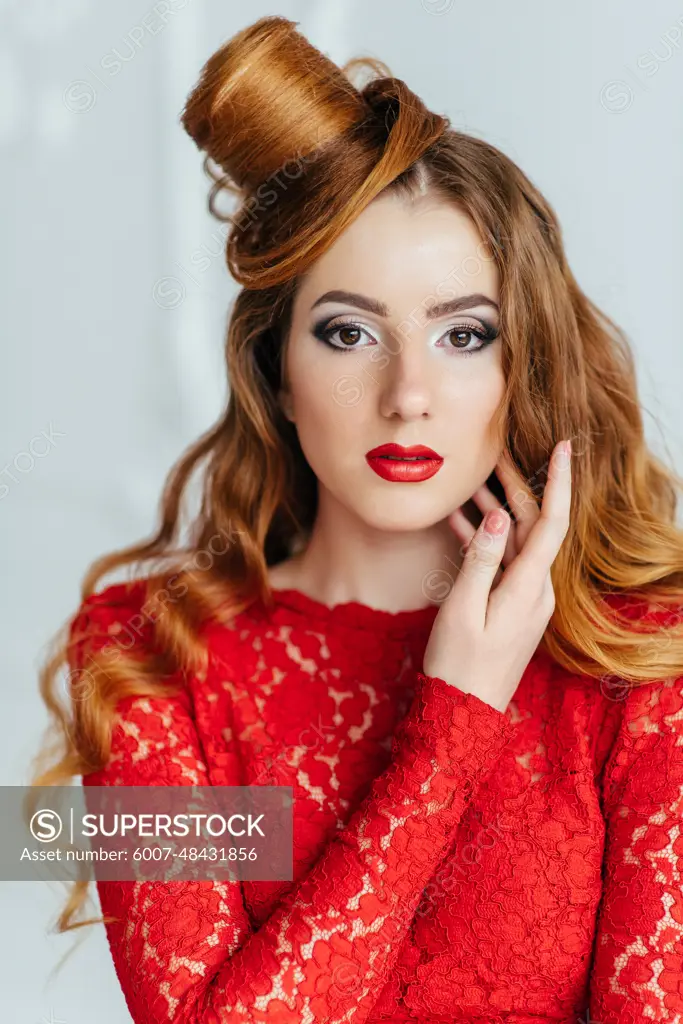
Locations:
(394, 338)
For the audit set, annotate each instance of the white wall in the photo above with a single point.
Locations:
(103, 200)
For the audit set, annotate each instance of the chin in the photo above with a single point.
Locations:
(400, 514)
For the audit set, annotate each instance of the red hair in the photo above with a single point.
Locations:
(304, 150)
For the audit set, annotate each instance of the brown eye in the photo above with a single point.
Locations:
(460, 334)
(352, 335)
(344, 337)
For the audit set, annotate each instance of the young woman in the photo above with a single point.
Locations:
(405, 595)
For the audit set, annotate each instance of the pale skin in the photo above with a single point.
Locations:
(405, 379)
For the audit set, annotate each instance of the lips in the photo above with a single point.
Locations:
(402, 464)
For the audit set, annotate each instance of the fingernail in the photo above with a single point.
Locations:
(563, 454)
(495, 522)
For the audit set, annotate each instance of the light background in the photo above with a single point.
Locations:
(104, 200)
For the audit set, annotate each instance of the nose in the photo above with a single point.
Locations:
(403, 379)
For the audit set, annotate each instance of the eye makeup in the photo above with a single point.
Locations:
(326, 328)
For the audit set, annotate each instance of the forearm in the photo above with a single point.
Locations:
(327, 949)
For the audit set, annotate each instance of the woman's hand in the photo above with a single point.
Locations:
(519, 498)
(485, 634)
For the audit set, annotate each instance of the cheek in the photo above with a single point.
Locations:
(472, 398)
(329, 404)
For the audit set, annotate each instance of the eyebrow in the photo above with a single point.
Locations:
(431, 312)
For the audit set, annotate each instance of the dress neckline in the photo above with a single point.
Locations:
(354, 613)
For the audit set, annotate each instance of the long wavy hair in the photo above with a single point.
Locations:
(300, 147)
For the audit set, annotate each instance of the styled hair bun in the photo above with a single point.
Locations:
(268, 98)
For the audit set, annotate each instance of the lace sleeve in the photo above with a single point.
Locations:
(184, 952)
(637, 971)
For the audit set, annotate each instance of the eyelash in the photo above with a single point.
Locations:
(326, 329)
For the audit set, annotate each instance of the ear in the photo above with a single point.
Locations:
(285, 402)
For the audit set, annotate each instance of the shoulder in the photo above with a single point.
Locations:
(650, 620)
(113, 630)
(644, 719)
(125, 615)
(647, 752)
(643, 611)
(115, 597)
(115, 614)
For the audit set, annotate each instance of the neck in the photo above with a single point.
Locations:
(389, 568)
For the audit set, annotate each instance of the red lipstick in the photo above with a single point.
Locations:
(397, 463)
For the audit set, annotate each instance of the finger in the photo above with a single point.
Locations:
(479, 567)
(534, 561)
(521, 500)
(465, 531)
(462, 527)
(497, 578)
(486, 501)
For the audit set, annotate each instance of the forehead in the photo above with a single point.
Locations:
(401, 251)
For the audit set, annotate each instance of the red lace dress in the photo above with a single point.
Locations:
(452, 863)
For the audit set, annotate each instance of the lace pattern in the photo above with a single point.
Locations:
(451, 863)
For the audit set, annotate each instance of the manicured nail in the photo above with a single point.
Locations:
(563, 454)
(495, 522)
